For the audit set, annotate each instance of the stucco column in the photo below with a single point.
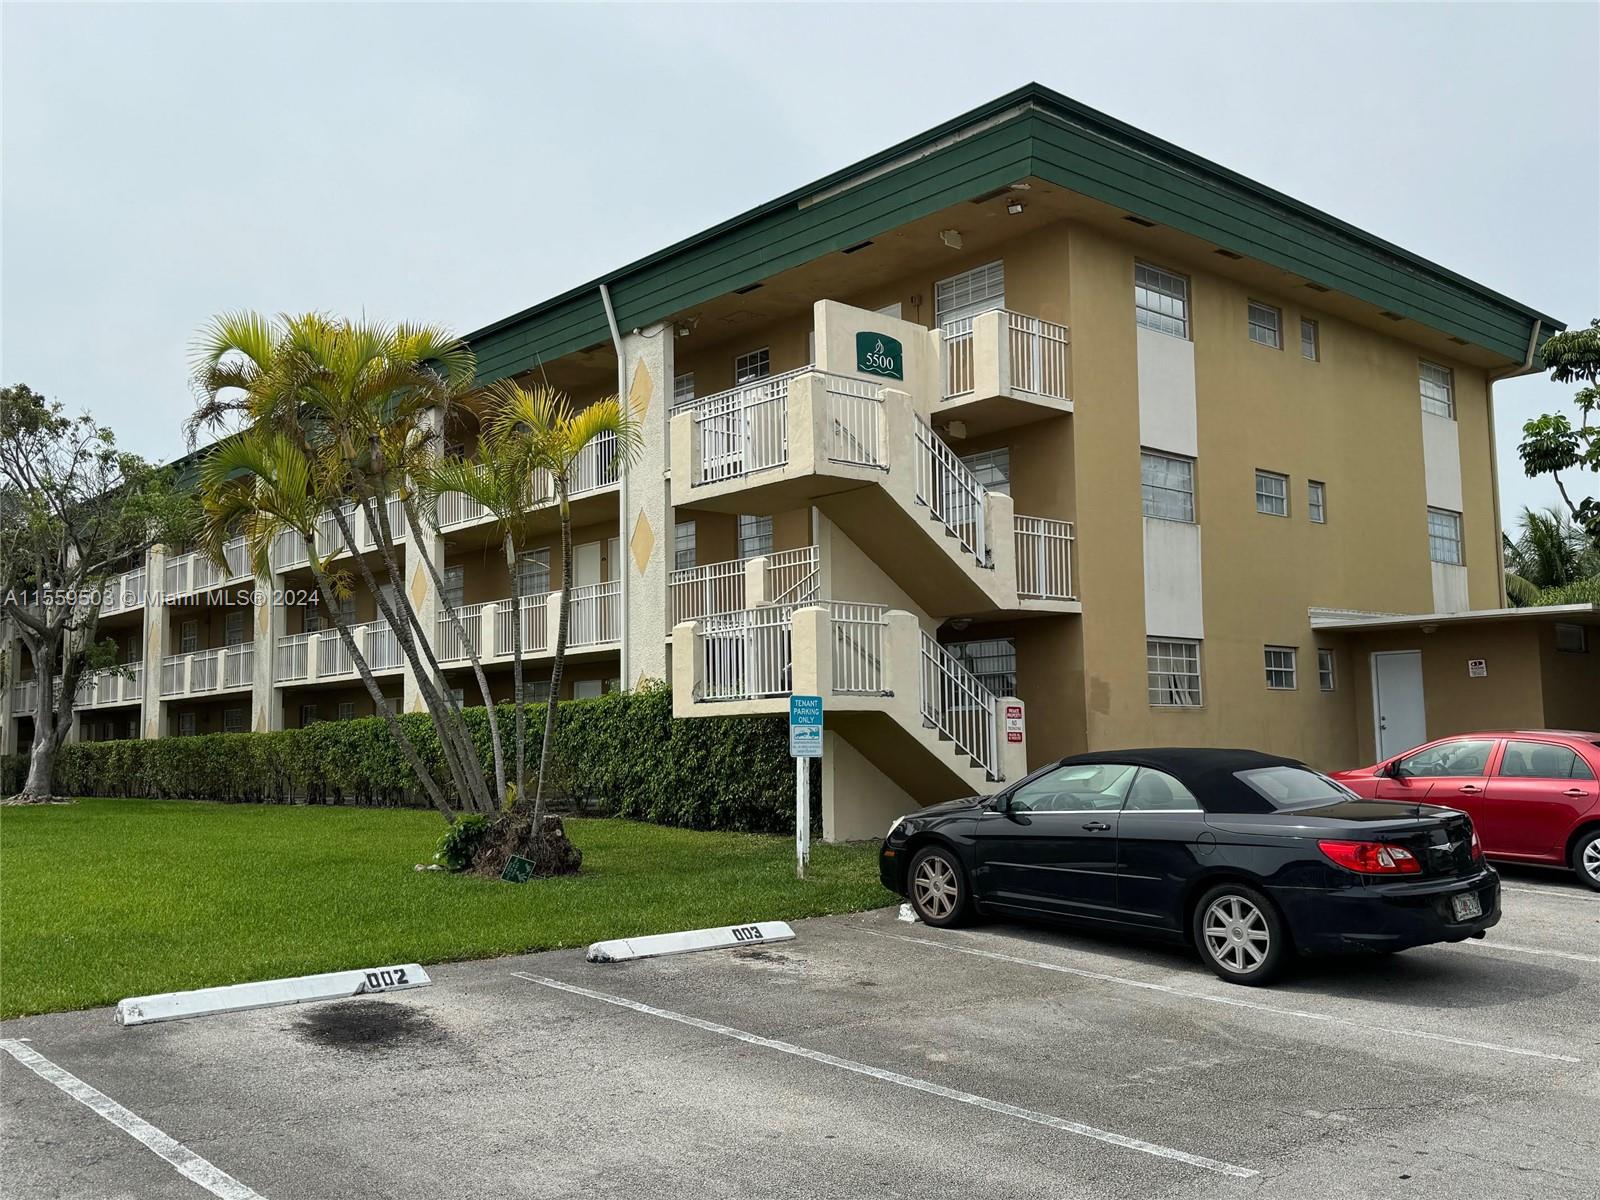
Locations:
(1011, 756)
(268, 625)
(646, 518)
(152, 710)
(424, 598)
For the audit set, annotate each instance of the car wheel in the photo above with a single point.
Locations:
(1586, 858)
(938, 887)
(1239, 934)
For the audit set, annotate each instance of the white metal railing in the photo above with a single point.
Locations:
(383, 647)
(595, 467)
(855, 421)
(535, 625)
(133, 682)
(744, 429)
(960, 377)
(294, 657)
(859, 633)
(333, 657)
(793, 576)
(595, 613)
(960, 707)
(951, 491)
(702, 591)
(123, 592)
(289, 552)
(198, 671)
(108, 687)
(1044, 559)
(451, 644)
(238, 665)
(744, 655)
(1038, 355)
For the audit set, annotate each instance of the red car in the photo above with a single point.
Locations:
(1532, 794)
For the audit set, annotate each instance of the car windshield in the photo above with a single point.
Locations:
(1292, 787)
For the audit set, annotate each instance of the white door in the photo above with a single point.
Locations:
(1397, 701)
(586, 564)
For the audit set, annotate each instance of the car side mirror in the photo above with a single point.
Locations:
(1392, 770)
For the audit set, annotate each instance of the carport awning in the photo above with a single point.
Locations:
(1336, 619)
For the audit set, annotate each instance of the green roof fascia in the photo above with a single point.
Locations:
(1032, 131)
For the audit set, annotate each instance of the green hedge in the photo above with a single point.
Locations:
(623, 752)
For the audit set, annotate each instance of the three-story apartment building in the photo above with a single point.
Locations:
(1029, 435)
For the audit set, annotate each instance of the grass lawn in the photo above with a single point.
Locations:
(110, 898)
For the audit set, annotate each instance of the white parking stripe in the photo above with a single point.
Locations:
(187, 1163)
(1553, 893)
(1487, 945)
(920, 1085)
(1231, 1001)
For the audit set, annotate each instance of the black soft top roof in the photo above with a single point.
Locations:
(1208, 772)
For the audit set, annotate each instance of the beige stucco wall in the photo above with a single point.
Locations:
(1571, 681)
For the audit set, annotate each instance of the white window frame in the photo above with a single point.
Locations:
(1265, 324)
(755, 535)
(1317, 501)
(964, 296)
(1267, 496)
(186, 724)
(683, 546)
(1282, 670)
(1445, 537)
(233, 720)
(990, 465)
(455, 585)
(683, 389)
(532, 567)
(1160, 300)
(752, 365)
(347, 710)
(1310, 340)
(1437, 386)
(1327, 675)
(992, 660)
(1151, 494)
(232, 636)
(1168, 673)
(308, 714)
(189, 636)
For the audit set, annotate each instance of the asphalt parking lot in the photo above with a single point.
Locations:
(868, 1057)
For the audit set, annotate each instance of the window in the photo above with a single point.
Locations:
(1438, 390)
(683, 545)
(347, 710)
(186, 724)
(1173, 666)
(682, 388)
(1310, 343)
(233, 720)
(308, 715)
(1166, 486)
(755, 536)
(588, 689)
(755, 365)
(189, 637)
(533, 572)
(992, 660)
(1291, 787)
(1317, 502)
(233, 628)
(992, 467)
(1280, 668)
(1160, 300)
(1325, 679)
(966, 295)
(1272, 494)
(1462, 756)
(455, 585)
(1156, 791)
(1444, 536)
(1542, 760)
(1266, 325)
(1572, 639)
(1083, 787)
(312, 619)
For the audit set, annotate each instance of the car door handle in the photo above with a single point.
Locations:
(1096, 826)
(1573, 792)
(1470, 789)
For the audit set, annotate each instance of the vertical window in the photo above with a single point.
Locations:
(533, 572)
(1444, 536)
(233, 720)
(186, 724)
(312, 619)
(1438, 386)
(1160, 300)
(308, 715)
(964, 296)
(992, 660)
(1272, 494)
(460, 693)
(682, 388)
(1571, 639)
(755, 365)
(992, 467)
(1310, 343)
(1325, 669)
(1166, 486)
(755, 536)
(683, 552)
(455, 585)
(1317, 501)
(189, 637)
(1173, 672)
(347, 710)
(1266, 325)
(1280, 668)
(233, 628)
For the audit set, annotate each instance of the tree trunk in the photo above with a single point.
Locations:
(520, 717)
(561, 649)
(52, 718)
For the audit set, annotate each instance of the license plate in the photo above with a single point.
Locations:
(1466, 906)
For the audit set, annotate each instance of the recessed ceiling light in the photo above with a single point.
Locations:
(1317, 287)
(1391, 316)
(745, 291)
(1229, 254)
(1141, 221)
(857, 246)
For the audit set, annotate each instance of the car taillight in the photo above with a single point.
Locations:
(1477, 846)
(1372, 858)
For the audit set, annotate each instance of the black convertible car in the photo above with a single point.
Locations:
(1247, 856)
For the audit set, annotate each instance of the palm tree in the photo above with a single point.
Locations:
(360, 403)
(1550, 552)
(537, 429)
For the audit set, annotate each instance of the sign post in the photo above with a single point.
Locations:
(805, 743)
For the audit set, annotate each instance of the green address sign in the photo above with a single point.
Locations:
(878, 354)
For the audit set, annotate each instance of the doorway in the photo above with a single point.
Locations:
(1399, 713)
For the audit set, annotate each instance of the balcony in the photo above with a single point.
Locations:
(1003, 369)
(123, 592)
(289, 552)
(103, 688)
(321, 656)
(594, 622)
(208, 672)
(594, 471)
(25, 698)
(198, 572)
(787, 577)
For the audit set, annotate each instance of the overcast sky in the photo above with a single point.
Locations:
(460, 162)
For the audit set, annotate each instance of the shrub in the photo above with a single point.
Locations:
(623, 752)
(460, 841)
